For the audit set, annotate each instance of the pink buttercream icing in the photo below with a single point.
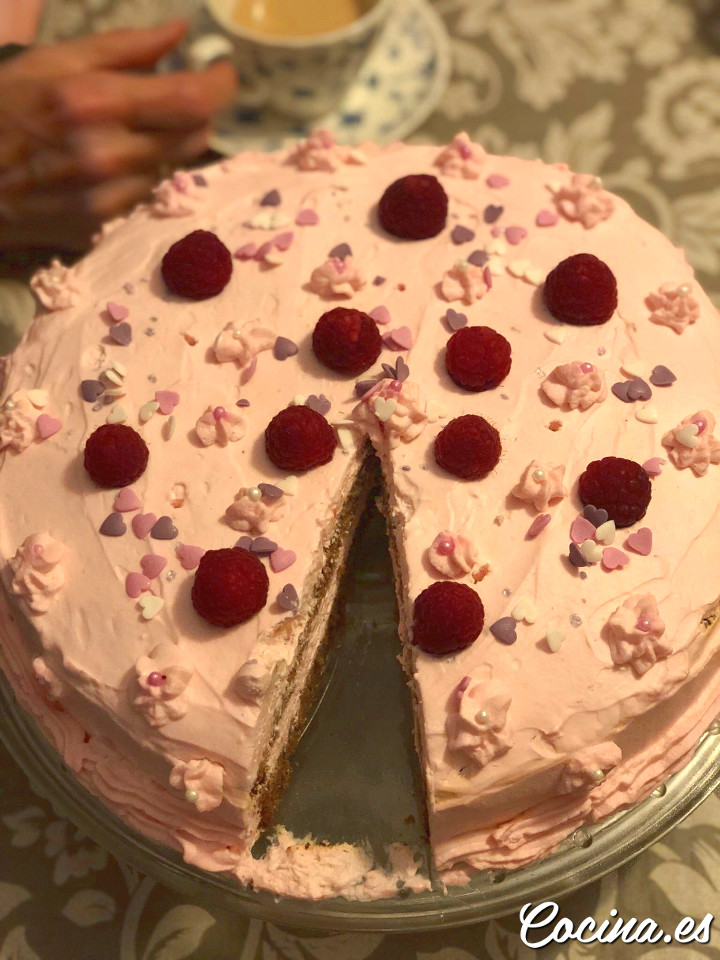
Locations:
(576, 385)
(541, 485)
(37, 573)
(588, 767)
(337, 278)
(461, 158)
(18, 419)
(695, 448)
(477, 718)
(220, 425)
(177, 196)
(163, 677)
(392, 412)
(47, 679)
(243, 343)
(635, 634)
(452, 555)
(584, 199)
(57, 287)
(250, 515)
(205, 778)
(320, 152)
(673, 306)
(464, 281)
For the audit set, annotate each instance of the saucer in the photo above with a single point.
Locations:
(398, 87)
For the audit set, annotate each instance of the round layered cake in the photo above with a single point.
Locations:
(187, 435)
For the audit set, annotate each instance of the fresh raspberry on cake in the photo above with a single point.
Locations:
(299, 438)
(346, 340)
(230, 586)
(197, 267)
(414, 207)
(619, 486)
(115, 455)
(468, 447)
(448, 617)
(581, 290)
(478, 358)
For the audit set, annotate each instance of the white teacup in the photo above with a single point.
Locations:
(301, 76)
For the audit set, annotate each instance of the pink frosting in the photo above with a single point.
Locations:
(476, 721)
(47, 679)
(243, 343)
(673, 306)
(57, 287)
(695, 449)
(227, 428)
(575, 385)
(163, 702)
(178, 196)
(18, 419)
(254, 516)
(204, 777)
(392, 412)
(452, 555)
(464, 281)
(461, 158)
(37, 573)
(587, 767)
(321, 152)
(252, 681)
(635, 634)
(540, 485)
(337, 278)
(584, 199)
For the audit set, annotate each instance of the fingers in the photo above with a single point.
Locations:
(88, 207)
(167, 102)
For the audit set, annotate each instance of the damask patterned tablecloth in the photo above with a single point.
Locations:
(626, 89)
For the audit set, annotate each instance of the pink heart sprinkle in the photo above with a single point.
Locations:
(282, 559)
(614, 559)
(117, 312)
(189, 556)
(581, 530)
(135, 584)
(126, 500)
(142, 524)
(496, 180)
(47, 426)
(514, 235)
(246, 252)
(402, 337)
(653, 466)
(380, 314)
(546, 218)
(641, 541)
(263, 249)
(168, 400)
(307, 218)
(153, 565)
(247, 373)
(283, 240)
(538, 525)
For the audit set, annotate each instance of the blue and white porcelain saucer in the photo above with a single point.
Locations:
(398, 87)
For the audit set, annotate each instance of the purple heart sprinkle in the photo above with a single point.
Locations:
(478, 258)
(284, 348)
(129, 288)
(113, 526)
(389, 371)
(455, 320)
(491, 213)
(577, 559)
(402, 370)
(319, 404)
(595, 515)
(244, 543)
(341, 251)
(537, 526)
(163, 529)
(504, 630)
(363, 386)
(271, 199)
(514, 235)
(378, 281)
(620, 389)
(270, 491)
(242, 403)
(406, 468)
(200, 180)
(662, 377)
(638, 390)
(461, 234)
(263, 547)
(121, 333)
(91, 390)
(288, 599)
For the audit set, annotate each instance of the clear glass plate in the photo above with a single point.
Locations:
(355, 778)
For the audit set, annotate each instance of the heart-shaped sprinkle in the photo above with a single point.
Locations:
(504, 630)
(546, 218)
(270, 491)
(153, 565)
(577, 558)
(384, 409)
(148, 410)
(641, 541)
(525, 610)
(364, 386)
(117, 312)
(478, 258)
(244, 543)
(142, 524)
(118, 414)
(38, 398)
(167, 400)
(126, 500)
(620, 389)
(121, 333)
(281, 559)
(378, 281)
(319, 404)
(284, 348)
(246, 252)
(515, 235)
(271, 199)
(605, 533)
(633, 368)
(653, 466)
(496, 180)
(247, 372)
(556, 334)
(380, 314)
(200, 180)
(537, 526)
(150, 606)
(263, 250)
(455, 320)
(135, 584)
(402, 338)
(288, 485)
(554, 639)
(283, 241)
(647, 414)
(614, 559)
(242, 402)
(90, 390)
(687, 436)
(595, 515)
(307, 218)
(461, 234)
(581, 530)
(288, 598)
(591, 551)
(47, 426)
(340, 251)
(113, 526)
(189, 556)
(491, 213)
(662, 377)
(637, 389)
(263, 547)
(402, 370)
(163, 529)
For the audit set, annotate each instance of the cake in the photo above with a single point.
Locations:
(187, 434)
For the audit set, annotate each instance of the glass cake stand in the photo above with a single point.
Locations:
(355, 778)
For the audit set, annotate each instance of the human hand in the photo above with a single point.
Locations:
(83, 134)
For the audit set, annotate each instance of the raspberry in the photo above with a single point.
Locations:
(115, 455)
(581, 290)
(448, 617)
(197, 267)
(231, 585)
(414, 207)
(617, 485)
(468, 447)
(346, 340)
(299, 438)
(478, 358)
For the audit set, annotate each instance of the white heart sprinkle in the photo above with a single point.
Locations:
(150, 606)
(38, 398)
(647, 414)
(117, 415)
(688, 436)
(119, 368)
(113, 376)
(496, 266)
(299, 400)
(634, 368)
(288, 485)
(517, 268)
(274, 258)
(496, 245)
(147, 410)
(269, 220)
(525, 610)
(591, 551)
(606, 532)
(556, 334)
(346, 437)
(535, 275)
(554, 639)
(384, 409)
